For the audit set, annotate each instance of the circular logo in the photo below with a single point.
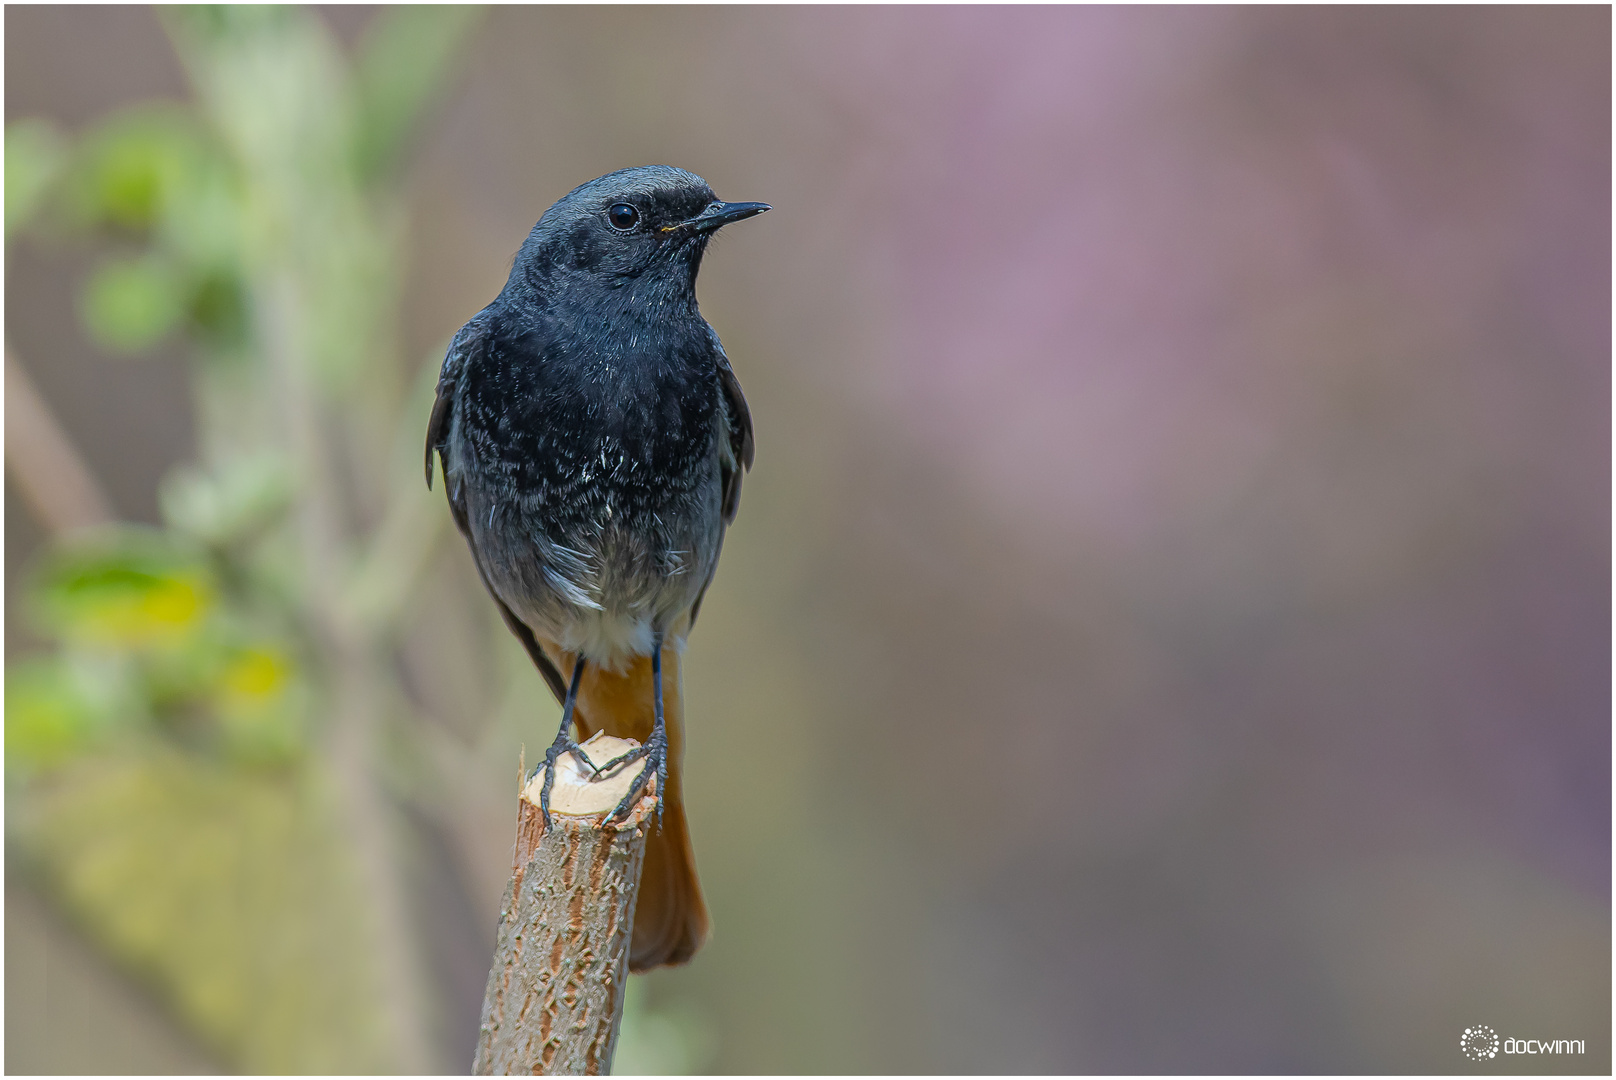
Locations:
(1479, 1043)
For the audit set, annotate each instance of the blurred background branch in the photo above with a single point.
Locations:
(42, 463)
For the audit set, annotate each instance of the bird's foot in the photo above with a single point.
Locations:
(563, 744)
(655, 755)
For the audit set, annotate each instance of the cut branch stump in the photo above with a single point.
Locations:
(555, 991)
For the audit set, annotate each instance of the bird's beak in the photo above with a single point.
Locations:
(718, 214)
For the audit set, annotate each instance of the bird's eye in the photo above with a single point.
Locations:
(623, 216)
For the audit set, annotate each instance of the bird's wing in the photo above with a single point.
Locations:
(740, 445)
(546, 666)
(734, 455)
(471, 341)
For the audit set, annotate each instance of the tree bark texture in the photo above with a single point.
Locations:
(555, 991)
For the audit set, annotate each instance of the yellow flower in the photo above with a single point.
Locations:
(173, 603)
(256, 675)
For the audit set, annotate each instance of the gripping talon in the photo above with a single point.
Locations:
(606, 771)
(637, 788)
(655, 750)
(564, 744)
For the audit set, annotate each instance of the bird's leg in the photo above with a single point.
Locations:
(655, 751)
(563, 742)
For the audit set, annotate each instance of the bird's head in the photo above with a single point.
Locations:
(653, 221)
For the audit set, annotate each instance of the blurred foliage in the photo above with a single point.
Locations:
(662, 1040)
(400, 62)
(34, 155)
(173, 762)
(225, 887)
(148, 640)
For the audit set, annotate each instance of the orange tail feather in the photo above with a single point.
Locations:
(670, 917)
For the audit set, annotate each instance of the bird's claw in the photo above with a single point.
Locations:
(562, 746)
(655, 755)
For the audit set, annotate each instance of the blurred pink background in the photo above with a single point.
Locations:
(1168, 626)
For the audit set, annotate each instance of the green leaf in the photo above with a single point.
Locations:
(35, 153)
(51, 713)
(218, 311)
(125, 589)
(130, 304)
(129, 168)
(403, 58)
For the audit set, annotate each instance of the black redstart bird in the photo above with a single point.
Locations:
(593, 437)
